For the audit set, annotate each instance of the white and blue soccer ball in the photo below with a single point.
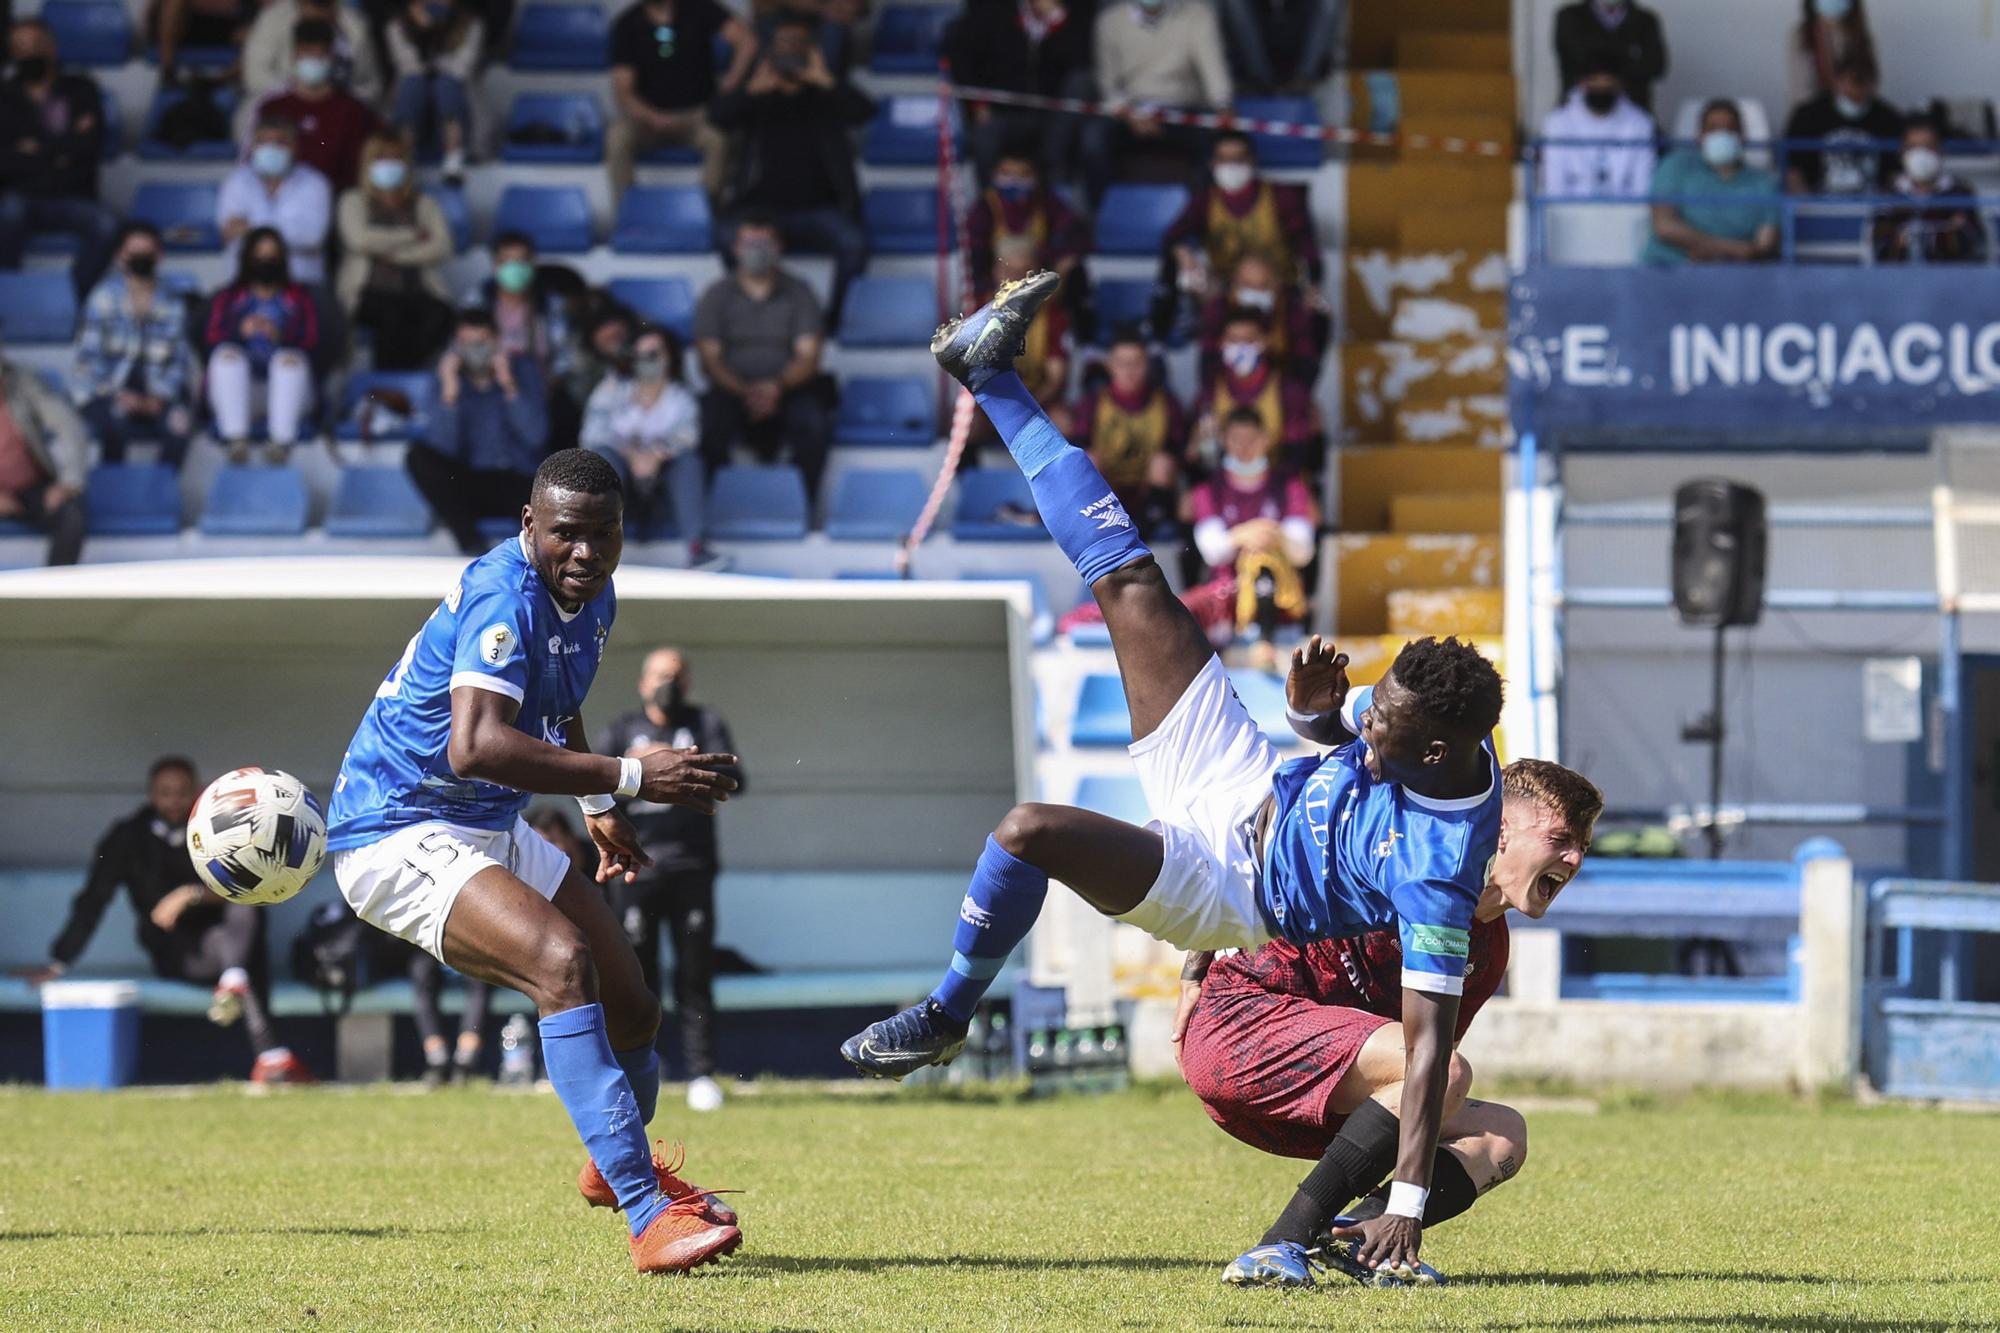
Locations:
(256, 835)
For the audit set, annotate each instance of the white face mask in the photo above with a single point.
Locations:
(1832, 10)
(1922, 165)
(1233, 176)
(1254, 297)
(1722, 148)
(1242, 358)
(1245, 469)
(1849, 107)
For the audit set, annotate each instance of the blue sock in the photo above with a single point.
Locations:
(577, 1054)
(642, 1071)
(1000, 908)
(1075, 501)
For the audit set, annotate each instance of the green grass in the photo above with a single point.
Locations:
(331, 1209)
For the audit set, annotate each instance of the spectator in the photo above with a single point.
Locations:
(1151, 54)
(1846, 120)
(601, 346)
(1590, 33)
(832, 22)
(212, 24)
(794, 159)
(648, 426)
(51, 135)
(488, 433)
(434, 48)
(394, 243)
(1253, 524)
(663, 78)
(1602, 144)
(1022, 46)
(133, 362)
(1250, 379)
(529, 309)
(1942, 225)
(262, 331)
(1281, 46)
(44, 454)
(1828, 33)
(679, 885)
(270, 56)
(758, 332)
(1018, 203)
(1707, 229)
(333, 126)
(1295, 331)
(1135, 432)
(1043, 363)
(274, 190)
(188, 932)
(1238, 213)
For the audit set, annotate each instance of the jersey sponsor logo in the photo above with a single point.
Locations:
(1443, 941)
(1108, 513)
(972, 914)
(496, 644)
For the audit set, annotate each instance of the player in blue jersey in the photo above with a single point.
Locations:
(1396, 827)
(483, 709)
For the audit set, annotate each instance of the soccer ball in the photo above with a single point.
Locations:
(256, 835)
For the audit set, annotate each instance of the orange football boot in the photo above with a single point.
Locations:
(596, 1190)
(681, 1238)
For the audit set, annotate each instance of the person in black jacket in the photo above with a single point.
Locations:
(1040, 47)
(190, 934)
(680, 884)
(1626, 34)
(51, 136)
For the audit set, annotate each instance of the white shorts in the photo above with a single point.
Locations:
(406, 882)
(1206, 773)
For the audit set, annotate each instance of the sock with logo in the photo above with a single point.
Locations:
(642, 1070)
(1000, 908)
(592, 1088)
(1075, 501)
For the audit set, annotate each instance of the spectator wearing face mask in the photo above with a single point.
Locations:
(1942, 224)
(528, 311)
(269, 53)
(434, 50)
(648, 426)
(1295, 332)
(1828, 33)
(51, 137)
(1018, 203)
(1254, 522)
(1134, 432)
(1618, 32)
(1600, 144)
(1249, 379)
(274, 189)
(133, 363)
(333, 125)
(1238, 213)
(1845, 121)
(1693, 218)
(488, 432)
(394, 244)
(599, 346)
(261, 333)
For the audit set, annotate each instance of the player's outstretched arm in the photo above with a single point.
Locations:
(486, 745)
(1315, 691)
(1392, 1240)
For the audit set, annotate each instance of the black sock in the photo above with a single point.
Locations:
(1452, 1192)
(1363, 1152)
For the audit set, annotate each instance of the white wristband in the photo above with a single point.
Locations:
(1407, 1200)
(1307, 718)
(630, 774)
(595, 805)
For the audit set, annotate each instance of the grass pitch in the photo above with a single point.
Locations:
(331, 1209)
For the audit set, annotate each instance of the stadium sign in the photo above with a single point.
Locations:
(1816, 355)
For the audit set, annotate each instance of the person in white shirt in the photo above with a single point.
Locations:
(272, 188)
(1150, 54)
(1620, 163)
(646, 424)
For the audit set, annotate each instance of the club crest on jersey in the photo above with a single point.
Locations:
(1388, 844)
(496, 644)
(1108, 513)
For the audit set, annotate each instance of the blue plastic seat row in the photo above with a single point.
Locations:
(1101, 718)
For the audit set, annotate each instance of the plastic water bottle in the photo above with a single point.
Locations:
(999, 1047)
(517, 1053)
(1038, 1051)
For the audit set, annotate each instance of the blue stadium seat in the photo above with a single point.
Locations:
(663, 220)
(904, 132)
(876, 504)
(133, 500)
(112, 138)
(184, 211)
(570, 36)
(663, 528)
(1263, 695)
(887, 410)
(889, 312)
(1133, 218)
(1042, 621)
(457, 216)
(204, 59)
(672, 154)
(1101, 718)
(153, 149)
(903, 221)
(1280, 151)
(377, 502)
(1119, 796)
(37, 307)
(747, 504)
(907, 38)
(1122, 301)
(247, 501)
(493, 531)
(668, 302)
(982, 494)
(89, 32)
(556, 216)
(576, 116)
(383, 424)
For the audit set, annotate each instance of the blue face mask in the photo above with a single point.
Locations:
(388, 173)
(1013, 191)
(312, 71)
(1833, 11)
(1722, 148)
(270, 160)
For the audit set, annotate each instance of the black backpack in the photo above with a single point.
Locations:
(331, 955)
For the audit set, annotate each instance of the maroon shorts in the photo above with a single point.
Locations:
(1265, 1065)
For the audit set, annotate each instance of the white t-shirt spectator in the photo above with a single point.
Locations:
(301, 209)
(615, 419)
(1622, 168)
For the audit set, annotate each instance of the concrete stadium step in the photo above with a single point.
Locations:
(1378, 376)
(1374, 31)
(1373, 479)
(1472, 419)
(1427, 49)
(1478, 512)
(1370, 566)
(1375, 279)
(1422, 319)
(1415, 612)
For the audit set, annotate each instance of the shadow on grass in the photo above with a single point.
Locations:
(1599, 1277)
(870, 1263)
(1778, 1323)
(392, 1231)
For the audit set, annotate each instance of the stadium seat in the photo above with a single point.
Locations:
(457, 216)
(1133, 218)
(576, 117)
(887, 410)
(384, 422)
(747, 504)
(663, 220)
(89, 32)
(983, 493)
(904, 132)
(37, 307)
(907, 38)
(493, 531)
(1042, 621)
(184, 211)
(1119, 796)
(668, 302)
(903, 221)
(154, 149)
(377, 502)
(672, 154)
(1277, 152)
(1263, 695)
(889, 312)
(557, 217)
(570, 36)
(1125, 301)
(133, 500)
(247, 501)
(1595, 235)
(876, 504)
(1101, 717)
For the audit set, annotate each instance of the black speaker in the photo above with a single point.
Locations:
(1720, 538)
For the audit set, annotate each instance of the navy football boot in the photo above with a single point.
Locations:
(974, 348)
(902, 1043)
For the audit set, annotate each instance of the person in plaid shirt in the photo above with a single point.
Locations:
(133, 362)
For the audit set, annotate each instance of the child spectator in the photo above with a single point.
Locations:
(262, 331)
(1134, 432)
(1253, 524)
(1295, 330)
(1249, 379)
(1942, 224)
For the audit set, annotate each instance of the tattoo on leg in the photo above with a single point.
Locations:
(1473, 1103)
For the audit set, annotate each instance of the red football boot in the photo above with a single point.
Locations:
(682, 1237)
(280, 1066)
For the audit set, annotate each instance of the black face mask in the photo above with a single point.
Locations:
(268, 272)
(1600, 100)
(142, 266)
(32, 69)
(669, 697)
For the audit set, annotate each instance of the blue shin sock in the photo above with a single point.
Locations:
(642, 1070)
(577, 1054)
(1000, 908)
(1075, 501)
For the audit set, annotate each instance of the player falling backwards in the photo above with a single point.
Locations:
(1395, 828)
(428, 842)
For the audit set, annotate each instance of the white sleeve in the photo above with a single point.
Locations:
(1211, 538)
(1298, 539)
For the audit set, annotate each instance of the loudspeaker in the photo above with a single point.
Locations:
(1720, 539)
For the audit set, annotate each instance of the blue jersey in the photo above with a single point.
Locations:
(500, 630)
(1347, 854)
